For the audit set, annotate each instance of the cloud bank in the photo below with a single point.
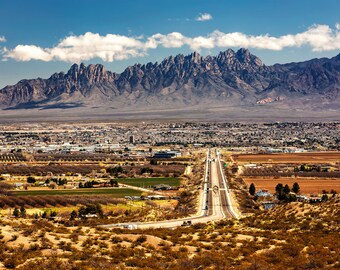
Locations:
(204, 17)
(2, 39)
(113, 47)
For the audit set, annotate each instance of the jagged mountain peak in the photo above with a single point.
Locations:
(243, 51)
(228, 59)
(236, 76)
(337, 58)
(195, 57)
(82, 67)
(88, 74)
(240, 60)
(226, 54)
(244, 56)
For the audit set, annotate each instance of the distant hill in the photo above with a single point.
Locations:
(230, 79)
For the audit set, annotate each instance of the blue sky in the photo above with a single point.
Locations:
(41, 37)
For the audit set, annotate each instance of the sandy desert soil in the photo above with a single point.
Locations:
(208, 112)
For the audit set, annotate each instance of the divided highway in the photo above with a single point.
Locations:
(228, 207)
(215, 201)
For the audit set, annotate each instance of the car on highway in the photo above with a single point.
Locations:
(186, 223)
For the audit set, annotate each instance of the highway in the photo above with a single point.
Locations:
(228, 207)
(215, 201)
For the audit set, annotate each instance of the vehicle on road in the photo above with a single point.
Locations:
(186, 223)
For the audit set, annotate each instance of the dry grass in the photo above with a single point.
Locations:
(294, 235)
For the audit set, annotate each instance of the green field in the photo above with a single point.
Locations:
(148, 182)
(114, 192)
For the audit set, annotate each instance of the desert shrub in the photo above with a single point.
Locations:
(116, 240)
(13, 238)
(66, 246)
(141, 239)
(34, 247)
(88, 242)
(183, 249)
(28, 231)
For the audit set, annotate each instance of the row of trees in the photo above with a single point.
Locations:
(22, 213)
(279, 188)
(282, 192)
(19, 213)
(303, 170)
(90, 184)
(5, 188)
(146, 170)
(55, 200)
(115, 170)
(58, 181)
(287, 194)
(83, 211)
(55, 169)
(310, 168)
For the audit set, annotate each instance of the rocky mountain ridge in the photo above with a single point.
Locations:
(230, 78)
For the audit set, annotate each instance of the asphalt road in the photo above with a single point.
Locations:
(228, 206)
(215, 201)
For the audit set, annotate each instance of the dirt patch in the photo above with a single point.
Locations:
(307, 185)
(310, 158)
(151, 240)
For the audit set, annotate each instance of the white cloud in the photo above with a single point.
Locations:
(28, 52)
(81, 48)
(113, 47)
(200, 42)
(2, 39)
(204, 17)
(172, 40)
(108, 48)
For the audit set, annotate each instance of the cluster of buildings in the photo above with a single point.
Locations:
(120, 137)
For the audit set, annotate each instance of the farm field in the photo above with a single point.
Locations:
(112, 192)
(311, 157)
(15, 168)
(307, 185)
(56, 200)
(69, 209)
(107, 207)
(148, 182)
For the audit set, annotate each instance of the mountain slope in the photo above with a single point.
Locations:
(230, 79)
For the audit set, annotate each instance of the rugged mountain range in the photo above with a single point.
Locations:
(230, 78)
